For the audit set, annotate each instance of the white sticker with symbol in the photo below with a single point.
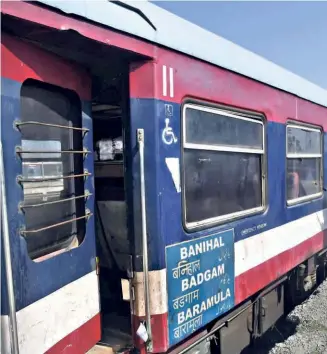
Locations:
(168, 136)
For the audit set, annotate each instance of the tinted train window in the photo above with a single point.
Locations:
(49, 168)
(304, 163)
(222, 165)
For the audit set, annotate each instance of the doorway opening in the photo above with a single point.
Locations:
(110, 107)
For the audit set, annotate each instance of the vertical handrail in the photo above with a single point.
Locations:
(7, 257)
(140, 139)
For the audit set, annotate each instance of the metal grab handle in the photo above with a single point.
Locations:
(26, 206)
(20, 151)
(140, 139)
(20, 179)
(8, 263)
(31, 122)
(28, 232)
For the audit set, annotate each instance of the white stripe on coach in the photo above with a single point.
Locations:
(171, 82)
(45, 322)
(257, 249)
(164, 80)
(249, 253)
(167, 77)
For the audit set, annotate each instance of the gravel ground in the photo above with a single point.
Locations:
(304, 331)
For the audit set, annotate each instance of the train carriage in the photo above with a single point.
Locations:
(162, 188)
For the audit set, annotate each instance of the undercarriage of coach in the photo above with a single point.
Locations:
(239, 331)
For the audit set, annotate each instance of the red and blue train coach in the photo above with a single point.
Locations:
(163, 188)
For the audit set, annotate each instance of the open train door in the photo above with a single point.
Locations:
(48, 164)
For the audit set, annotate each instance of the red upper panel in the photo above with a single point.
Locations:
(173, 76)
(194, 78)
(21, 61)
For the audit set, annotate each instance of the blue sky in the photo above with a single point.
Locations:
(291, 34)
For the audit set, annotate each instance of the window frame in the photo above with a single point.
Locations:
(307, 127)
(236, 114)
(78, 233)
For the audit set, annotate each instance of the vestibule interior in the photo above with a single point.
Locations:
(110, 107)
(111, 134)
(109, 69)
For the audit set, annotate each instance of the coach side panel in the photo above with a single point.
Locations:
(254, 249)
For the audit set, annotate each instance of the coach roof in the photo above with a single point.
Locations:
(148, 21)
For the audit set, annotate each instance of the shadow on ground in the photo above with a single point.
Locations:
(283, 329)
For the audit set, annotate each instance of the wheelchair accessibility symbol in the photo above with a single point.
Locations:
(168, 136)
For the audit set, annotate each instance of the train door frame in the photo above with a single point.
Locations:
(136, 72)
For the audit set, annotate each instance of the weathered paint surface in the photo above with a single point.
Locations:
(71, 306)
(157, 91)
(145, 20)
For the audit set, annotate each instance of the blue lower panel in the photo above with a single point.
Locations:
(200, 276)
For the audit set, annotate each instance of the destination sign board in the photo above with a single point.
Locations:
(200, 281)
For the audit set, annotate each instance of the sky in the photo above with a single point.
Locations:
(292, 34)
